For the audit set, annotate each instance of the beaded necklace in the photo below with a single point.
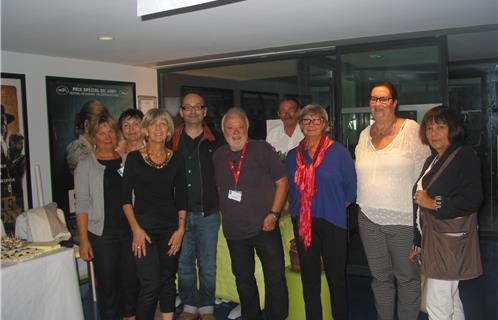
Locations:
(148, 159)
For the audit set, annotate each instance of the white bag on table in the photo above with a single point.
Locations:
(42, 224)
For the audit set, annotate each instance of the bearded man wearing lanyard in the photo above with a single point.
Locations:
(252, 188)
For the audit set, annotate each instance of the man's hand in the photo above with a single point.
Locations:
(269, 222)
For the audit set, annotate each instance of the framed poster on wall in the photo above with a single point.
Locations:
(15, 173)
(70, 101)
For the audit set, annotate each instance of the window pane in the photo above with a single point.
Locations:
(414, 70)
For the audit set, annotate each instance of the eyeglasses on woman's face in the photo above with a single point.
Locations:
(382, 100)
(315, 121)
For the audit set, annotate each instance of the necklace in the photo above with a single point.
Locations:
(148, 159)
(385, 132)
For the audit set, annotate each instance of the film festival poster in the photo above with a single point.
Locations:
(67, 99)
(15, 168)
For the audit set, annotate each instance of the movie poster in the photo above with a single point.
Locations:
(69, 100)
(15, 184)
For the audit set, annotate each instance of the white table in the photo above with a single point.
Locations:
(45, 287)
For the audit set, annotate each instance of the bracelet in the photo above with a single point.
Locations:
(276, 214)
(439, 200)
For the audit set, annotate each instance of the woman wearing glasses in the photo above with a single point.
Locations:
(322, 185)
(389, 157)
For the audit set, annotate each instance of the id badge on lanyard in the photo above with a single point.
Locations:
(236, 195)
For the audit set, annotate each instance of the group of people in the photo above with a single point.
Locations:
(417, 201)
(133, 194)
(149, 209)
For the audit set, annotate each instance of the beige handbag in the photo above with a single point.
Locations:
(450, 247)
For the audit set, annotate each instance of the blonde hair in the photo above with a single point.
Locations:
(103, 118)
(162, 114)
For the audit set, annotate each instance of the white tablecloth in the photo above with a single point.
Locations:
(45, 287)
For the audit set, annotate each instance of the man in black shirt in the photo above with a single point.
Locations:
(197, 143)
(252, 184)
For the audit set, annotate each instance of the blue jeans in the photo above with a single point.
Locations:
(199, 246)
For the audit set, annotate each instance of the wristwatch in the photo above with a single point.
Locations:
(276, 214)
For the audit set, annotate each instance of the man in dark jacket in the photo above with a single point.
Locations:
(197, 143)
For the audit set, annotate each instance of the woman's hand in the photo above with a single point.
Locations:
(175, 242)
(424, 200)
(86, 252)
(414, 254)
(138, 244)
(269, 222)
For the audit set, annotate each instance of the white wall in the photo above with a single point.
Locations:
(36, 68)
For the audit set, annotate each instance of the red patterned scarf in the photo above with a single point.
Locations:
(305, 180)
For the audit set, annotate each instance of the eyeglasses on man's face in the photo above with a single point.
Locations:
(288, 112)
(383, 100)
(196, 107)
(308, 121)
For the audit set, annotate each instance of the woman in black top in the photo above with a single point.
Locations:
(156, 177)
(105, 236)
(447, 197)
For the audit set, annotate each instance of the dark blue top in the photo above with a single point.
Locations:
(336, 180)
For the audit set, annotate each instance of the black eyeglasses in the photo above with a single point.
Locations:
(307, 121)
(382, 100)
(197, 107)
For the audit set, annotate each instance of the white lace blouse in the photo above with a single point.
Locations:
(386, 177)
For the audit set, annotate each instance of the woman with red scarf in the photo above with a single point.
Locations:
(322, 182)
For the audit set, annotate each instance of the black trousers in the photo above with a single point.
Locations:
(329, 242)
(116, 275)
(156, 273)
(268, 246)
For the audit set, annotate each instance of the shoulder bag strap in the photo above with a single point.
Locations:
(443, 166)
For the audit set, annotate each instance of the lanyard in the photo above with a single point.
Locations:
(236, 173)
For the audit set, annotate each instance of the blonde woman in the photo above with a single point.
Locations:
(156, 177)
(105, 236)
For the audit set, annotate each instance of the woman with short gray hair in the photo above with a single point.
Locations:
(322, 183)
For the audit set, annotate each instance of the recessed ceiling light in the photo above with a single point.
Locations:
(105, 38)
(375, 56)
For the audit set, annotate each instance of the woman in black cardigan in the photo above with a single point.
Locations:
(447, 197)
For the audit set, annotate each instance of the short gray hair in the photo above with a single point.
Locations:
(238, 111)
(315, 109)
(162, 114)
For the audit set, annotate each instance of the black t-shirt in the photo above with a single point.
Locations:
(260, 170)
(115, 221)
(159, 193)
